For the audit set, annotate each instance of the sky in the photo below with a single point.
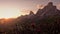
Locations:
(14, 8)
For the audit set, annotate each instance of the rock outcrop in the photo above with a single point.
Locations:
(48, 10)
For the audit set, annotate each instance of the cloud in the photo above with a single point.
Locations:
(25, 11)
(40, 6)
(58, 6)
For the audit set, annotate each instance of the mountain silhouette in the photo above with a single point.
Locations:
(31, 13)
(48, 10)
(45, 21)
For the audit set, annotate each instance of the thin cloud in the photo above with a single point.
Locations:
(25, 12)
(39, 6)
(58, 6)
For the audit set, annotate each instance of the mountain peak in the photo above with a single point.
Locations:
(48, 10)
(50, 3)
(31, 13)
(50, 6)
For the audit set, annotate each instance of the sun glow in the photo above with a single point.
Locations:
(9, 13)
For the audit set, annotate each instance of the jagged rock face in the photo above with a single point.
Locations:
(31, 13)
(48, 10)
(39, 12)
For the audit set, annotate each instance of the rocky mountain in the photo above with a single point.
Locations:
(48, 10)
(45, 21)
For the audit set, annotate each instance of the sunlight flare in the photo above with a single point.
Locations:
(9, 13)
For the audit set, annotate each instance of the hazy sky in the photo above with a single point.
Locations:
(22, 6)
